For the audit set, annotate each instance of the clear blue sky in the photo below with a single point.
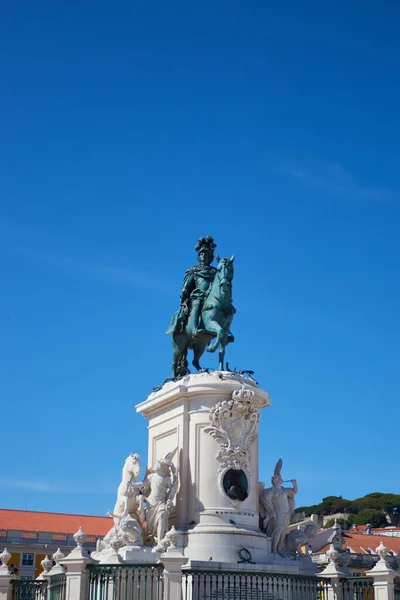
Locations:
(129, 129)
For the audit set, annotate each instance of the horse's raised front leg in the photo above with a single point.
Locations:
(198, 352)
(214, 327)
(221, 357)
(221, 353)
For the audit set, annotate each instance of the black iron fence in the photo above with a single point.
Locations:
(53, 589)
(126, 582)
(146, 582)
(225, 585)
(29, 589)
(358, 588)
(57, 587)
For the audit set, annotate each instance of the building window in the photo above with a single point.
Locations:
(27, 560)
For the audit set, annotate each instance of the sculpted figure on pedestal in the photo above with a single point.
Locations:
(276, 507)
(159, 490)
(129, 501)
(127, 531)
(298, 538)
(128, 510)
(206, 310)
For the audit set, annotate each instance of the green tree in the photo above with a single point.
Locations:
(383, 503)
(334, 504)
(344, 523)
(308, 510)
(365, 503)
(374, 495)
(326, 505)
(374, 517)
(388, 502)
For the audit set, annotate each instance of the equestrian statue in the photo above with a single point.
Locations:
(206, 311)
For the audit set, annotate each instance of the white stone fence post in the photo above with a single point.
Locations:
(335, 573)
(75, 564)
(5, 576)
(44, 576)
(173, 560)
(55, 571)
(383, 575)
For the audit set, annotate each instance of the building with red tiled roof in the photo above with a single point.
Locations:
(361, 543)
(30, 535)
(56, 522)
(358, 546)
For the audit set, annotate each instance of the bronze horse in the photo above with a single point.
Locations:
(217, 315)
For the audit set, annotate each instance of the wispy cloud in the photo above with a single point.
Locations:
(49, 487)
(96, 271)
(32, 486)
(331, 177)
(59, 252)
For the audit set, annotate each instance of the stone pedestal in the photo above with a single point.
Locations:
(77, 583)
(5, 576)
(335, 578)
(136, 555)
(212, 418)
(173, 560)
(5, 584)
(383, 575)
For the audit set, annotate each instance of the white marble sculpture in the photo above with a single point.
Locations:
(127, 530)
(129, 501)
(297, 538)
(159, 490)
(234, 425)
(128, 510)
(276, 508)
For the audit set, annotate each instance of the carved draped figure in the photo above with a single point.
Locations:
(279, 506)
(157, 508)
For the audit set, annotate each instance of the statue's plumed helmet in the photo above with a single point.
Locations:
(206, 244)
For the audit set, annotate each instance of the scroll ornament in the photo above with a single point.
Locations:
(234, 425)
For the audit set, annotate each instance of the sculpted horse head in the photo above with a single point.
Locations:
(128, 489)
(223, 276)
(132, 466)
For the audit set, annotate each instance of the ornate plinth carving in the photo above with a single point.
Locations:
(234, 424)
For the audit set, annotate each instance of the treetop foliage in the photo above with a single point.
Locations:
(371, 508)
